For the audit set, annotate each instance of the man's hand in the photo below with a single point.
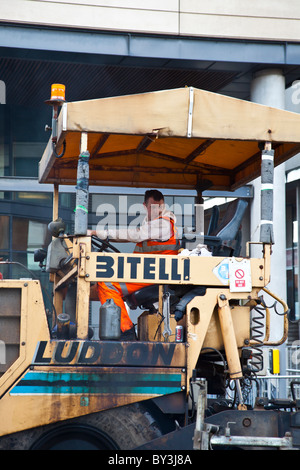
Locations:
(102, 234)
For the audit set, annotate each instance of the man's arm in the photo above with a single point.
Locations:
(157, 229)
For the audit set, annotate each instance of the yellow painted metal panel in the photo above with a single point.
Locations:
(275, 361)
(46, 395)
(110, 267)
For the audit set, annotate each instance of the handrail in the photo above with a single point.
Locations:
(285, 322)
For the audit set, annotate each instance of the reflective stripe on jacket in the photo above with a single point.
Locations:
(159, 247)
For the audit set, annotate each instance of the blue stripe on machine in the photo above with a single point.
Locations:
(49, 383)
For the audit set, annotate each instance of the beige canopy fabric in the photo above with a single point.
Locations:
(182, 138)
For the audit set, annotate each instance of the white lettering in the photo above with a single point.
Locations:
(296, 352)
(2, 92)
(2, 352)
(108, 212)
(296, 92)
(157, 459)
(119, 460)
(171, 459)
(189, 217)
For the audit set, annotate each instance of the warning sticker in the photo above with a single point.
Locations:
(240, 275)
(222, 272)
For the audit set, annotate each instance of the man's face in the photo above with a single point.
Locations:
(154, 208)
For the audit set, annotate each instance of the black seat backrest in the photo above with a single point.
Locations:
(225, 238)
(147, 296)
(143, 297)
(214, 219)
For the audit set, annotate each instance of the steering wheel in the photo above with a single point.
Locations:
(103, 245)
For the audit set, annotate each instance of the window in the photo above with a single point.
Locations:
(4, 232)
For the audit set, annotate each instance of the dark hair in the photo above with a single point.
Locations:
(155, 194)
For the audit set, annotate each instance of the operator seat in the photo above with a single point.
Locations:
(224, 238)
(146, 297)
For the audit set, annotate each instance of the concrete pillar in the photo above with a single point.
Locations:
(268, 88)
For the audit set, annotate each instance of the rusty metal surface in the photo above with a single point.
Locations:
(248, 423)
(84, 381)
(55, 393)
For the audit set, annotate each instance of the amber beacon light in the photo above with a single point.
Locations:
(57, 98)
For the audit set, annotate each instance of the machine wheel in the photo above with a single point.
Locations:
(121, 428)
(74, 437)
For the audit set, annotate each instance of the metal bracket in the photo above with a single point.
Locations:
(253, 441)
(166, 315)
(190, 116)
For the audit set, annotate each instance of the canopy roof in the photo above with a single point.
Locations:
(181, 138)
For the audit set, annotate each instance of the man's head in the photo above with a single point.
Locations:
(154, 203)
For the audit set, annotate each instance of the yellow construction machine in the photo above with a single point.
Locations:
(60, 388)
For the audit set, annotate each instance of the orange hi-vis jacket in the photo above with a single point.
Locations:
(159, 247)
(117, 291)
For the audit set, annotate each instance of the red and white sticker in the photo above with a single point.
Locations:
(240, 275)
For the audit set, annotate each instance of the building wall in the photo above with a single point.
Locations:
(240, 19)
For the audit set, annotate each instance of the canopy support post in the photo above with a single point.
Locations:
(267, 179)
(82, 189)
(82, 243)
